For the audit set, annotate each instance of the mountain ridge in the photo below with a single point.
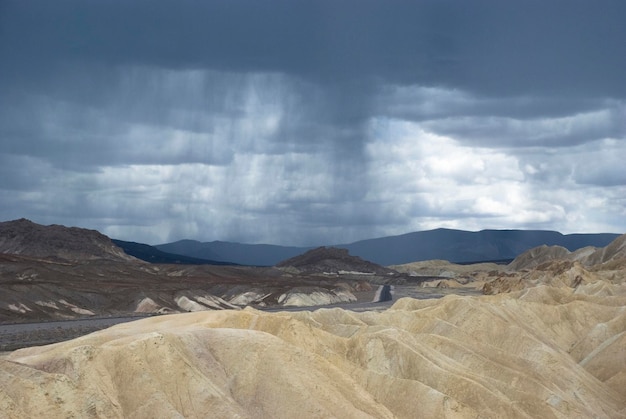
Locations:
(25, 237)
(457, 246)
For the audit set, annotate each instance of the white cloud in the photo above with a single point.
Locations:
(433, 181)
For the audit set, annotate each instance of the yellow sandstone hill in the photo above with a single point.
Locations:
(541, 352)
(604, 267)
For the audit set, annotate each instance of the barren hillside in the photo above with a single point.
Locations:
(614, 253)
(559, 268)
(57, 272)
(547, 353)
(34, 289)
(23, 237)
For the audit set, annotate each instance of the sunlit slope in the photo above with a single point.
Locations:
(542, 352)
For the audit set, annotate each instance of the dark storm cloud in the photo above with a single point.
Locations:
(320, 39)
(498, 48)
(419, 104)
(345, 119)
(83, 119)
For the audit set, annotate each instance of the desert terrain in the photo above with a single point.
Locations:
(542, 337)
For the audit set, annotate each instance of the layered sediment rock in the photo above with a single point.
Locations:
(538, 352)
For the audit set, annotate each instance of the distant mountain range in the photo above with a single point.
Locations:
(240, 253)
(453, 245)
(28, 238)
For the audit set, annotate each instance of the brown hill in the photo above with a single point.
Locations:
(539, 353)
(333, 260)
(23, 237)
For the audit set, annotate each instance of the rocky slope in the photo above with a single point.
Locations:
(557, 267)
(614, 253)
(34, 289)
(23, 237)
(611, 256)
(539, 353)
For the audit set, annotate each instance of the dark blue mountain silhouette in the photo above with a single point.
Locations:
(453, 245)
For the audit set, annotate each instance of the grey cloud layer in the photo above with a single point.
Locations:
(494, 47)
(314, 121)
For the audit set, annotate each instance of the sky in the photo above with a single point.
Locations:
(312, 122)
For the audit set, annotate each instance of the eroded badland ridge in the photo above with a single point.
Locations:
(547, 342)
